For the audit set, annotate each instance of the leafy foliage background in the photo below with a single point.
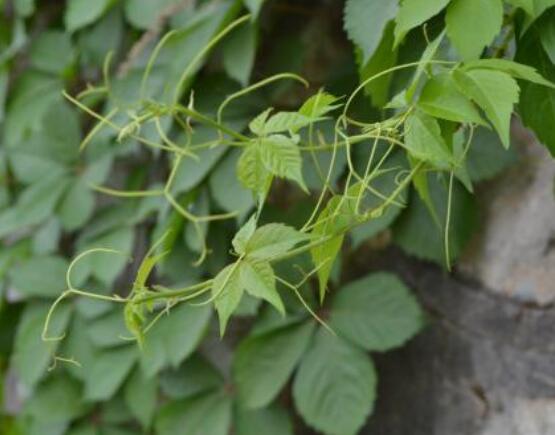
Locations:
(271, 373)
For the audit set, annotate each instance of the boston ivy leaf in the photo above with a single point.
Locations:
(415, 12)
(377, 312)
(365, 23)
(485, 19)
(440, 98)
(423, 140)
(537, 103)
(517, 70)
(263, 363)
(166, 345)
(273, 420)
(80, 13)
(227, 290)
(273, 240)
(239, 50)
(32, 355)
(57, 399)
(141, 396)
(258, 279)
(40, 276)
(108, 371)
(281, 156)
(335, 387)
(495, 92)
(207, 414)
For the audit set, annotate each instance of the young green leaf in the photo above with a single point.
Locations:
(484, 18)
(273, 240)
(514, 69)
(258, 279)
(318, 105)
(495, 92)
(412, 13)
(335, 387)
(227, 290)
(243, 236)
(365, 23)
(252, 173)
(423, 140)
(441, 98)
(257, 124)
(377, 312)
(263, 363)
(281, 156)
(287, 121)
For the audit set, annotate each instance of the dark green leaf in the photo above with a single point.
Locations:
(239, 51)
(40, 276)
(412, 13)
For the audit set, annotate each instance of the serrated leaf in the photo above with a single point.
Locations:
(239, 50)
(319, 105)
(273, 240)
(286, 121)
(412, 13)
(440, 98)
(377, 312)
(423, 140)
(335, 386)
(514, 69)
(258, 279)
(484, 18)
(262, 364)
(257, 124)
(282, 157)
(243, 236)
(365, 23)
(495, 92)
(227, 290)
(206, 414)
(252, 173)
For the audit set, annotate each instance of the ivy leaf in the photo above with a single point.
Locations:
(166, 346)
(40, 276)
(227, 290)
(319, 105)
(141, 397)
(263, 363)
(273, 240)
(335, 386)
(412, 13)
(484, 18)
(365, 23)
(208, 414)
(80, 13)
(377, 312)
(243, 236)
(495, 92)
(108, 371)
(281, 156)
(252, 173)
(239, 50)
(273, 420)
(423, 140)
(514, 69)
(258, 279)
(32, 356)
(440, 98)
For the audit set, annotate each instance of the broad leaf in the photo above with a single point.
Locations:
(242, 237)
(335, 387)
(263, 363)
(40, 276)
(272, 240)
(239, 51)
(227, 291)
(495, 92)
(79, 13)
(412, 13)
(377, 312)
(516, 70)
(258, 279)
(365, 23)
(252, 173)
(423, 140)
(484, 18)
(52, 52)
(440, 98)
(281, 156)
